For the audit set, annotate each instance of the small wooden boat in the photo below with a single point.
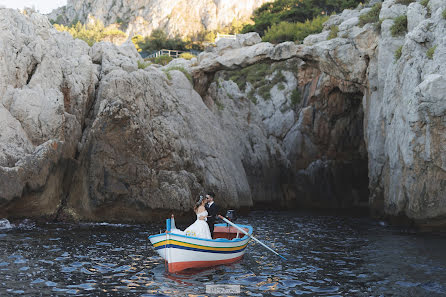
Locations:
(183, 252)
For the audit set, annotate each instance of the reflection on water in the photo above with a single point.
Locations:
(327, 256)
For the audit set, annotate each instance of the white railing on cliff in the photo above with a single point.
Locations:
(225, 36)
(166, 52)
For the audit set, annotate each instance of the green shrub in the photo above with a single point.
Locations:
(399, 26)
(91, 33)
(296, 97)
(378, 25)
(334, 30)
(136, 39)
(59, 20)
(444, 14)
(398, 53)
(158, 40)
(187, 56)
(220, 105)
(169, 76)
(265, 91)
(142, 65)
(425, 3)
(179, 68)
(285, 31)
(404, 2)
(372, 16)
(294, 11)
(430, 52)
(261, 77)
(162, 60)
(252, 97)
(278, 78)
(254, 74)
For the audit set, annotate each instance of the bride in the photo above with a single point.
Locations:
(199, 228)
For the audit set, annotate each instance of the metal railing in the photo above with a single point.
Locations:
(225, 36)
(166, 52)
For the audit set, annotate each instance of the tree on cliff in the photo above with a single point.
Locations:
(293, 11)
(92, 32)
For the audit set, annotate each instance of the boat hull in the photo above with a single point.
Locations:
(183, 252)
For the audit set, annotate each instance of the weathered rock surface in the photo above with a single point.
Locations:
(152, 146)
(403, 100)
(46, 87)
(178, 17)
(403, 107)
(89, 136)
(406, 119)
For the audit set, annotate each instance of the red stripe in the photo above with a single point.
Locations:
(179, 266)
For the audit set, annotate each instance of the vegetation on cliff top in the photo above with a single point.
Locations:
(285, 31)
(160, 40)
(334, 30)
(398, 53)
(179, 68)
(293, 20)
(96, 32)
(399, 26)
(258, 79)
(161, 60)
(430, 52)
(372, 16)
(404, 2)
(293, 11)
(92, 33)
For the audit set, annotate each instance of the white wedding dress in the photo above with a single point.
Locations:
(199, 228)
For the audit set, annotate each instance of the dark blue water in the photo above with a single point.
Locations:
(328, 256)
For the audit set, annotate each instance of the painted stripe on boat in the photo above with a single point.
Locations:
(178, 242)
(179, 266)
(199, 249)
(211, 240)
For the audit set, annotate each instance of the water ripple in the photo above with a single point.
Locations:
(328, 256)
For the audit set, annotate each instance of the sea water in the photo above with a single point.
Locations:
(327, 256)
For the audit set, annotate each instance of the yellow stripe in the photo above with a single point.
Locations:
(180, 243)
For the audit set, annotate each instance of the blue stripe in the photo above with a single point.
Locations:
(213, 240)
(197, 250)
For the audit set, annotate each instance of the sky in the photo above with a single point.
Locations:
(43, 6)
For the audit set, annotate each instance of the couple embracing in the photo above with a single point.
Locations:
(206, 211)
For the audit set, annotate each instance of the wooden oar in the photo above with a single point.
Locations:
(252, 237)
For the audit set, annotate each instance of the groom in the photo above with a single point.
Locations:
(212, 210)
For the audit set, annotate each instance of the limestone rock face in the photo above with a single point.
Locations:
(144, 16)
(403, 101)
(406, 129)
(47, 83)
(152, 146)
(344, 122)
(87, 136)
(403, 105)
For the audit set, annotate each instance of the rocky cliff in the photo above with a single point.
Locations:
(86, 135)
(330, 123)
(178, 17)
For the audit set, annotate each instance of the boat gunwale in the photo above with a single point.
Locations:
(250, 230)
(207, 246)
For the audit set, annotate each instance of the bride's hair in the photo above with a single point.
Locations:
(197, 205)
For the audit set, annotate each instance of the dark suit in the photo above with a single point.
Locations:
(212, 212)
